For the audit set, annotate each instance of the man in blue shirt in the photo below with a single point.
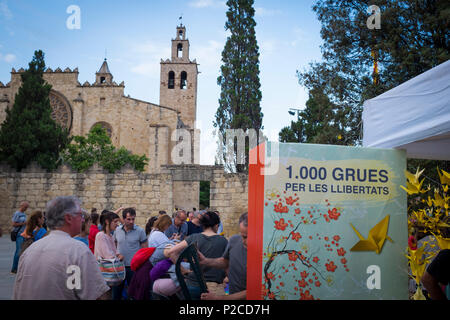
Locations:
(179, 229)
(130, 238)
(193, 224)
(19, 221)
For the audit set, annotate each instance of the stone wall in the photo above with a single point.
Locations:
(229, 195)
(148, 193)
(228, 192)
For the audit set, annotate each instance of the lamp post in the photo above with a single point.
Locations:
(293, 111)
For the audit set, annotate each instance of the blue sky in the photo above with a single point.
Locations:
(136, 34)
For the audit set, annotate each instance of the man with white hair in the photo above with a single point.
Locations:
(58, 267)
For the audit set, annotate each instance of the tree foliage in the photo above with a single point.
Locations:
(98, 148)
(29, 133)
(413, 39)
(316, 123)
(239, 102)
(204, 194)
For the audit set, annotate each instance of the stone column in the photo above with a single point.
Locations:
(78, 116)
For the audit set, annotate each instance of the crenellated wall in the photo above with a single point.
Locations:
(139, 126)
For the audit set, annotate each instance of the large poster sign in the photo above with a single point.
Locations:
(329, 222)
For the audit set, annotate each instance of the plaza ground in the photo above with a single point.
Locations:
(7, 248)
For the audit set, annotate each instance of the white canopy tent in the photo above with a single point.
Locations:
(414, 116)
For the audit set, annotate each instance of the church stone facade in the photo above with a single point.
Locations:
(143, 128)
(140, 126)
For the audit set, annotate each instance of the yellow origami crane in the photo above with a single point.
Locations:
(443, 243)
(418, 260)
(375, 240)
(414, 178)
(444, 177)
(413, 185)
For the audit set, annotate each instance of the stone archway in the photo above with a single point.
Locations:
(61, 110)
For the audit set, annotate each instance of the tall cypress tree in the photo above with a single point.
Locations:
(29, 133)
(240, 97)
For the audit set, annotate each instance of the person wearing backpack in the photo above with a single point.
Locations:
(18, 222)
(34, 230)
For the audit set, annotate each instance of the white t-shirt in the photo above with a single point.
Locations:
(156, 238)
(58, 267)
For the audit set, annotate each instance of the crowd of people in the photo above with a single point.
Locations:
(60, 253)
(74, 254)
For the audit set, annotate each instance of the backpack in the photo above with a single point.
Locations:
(14, 233)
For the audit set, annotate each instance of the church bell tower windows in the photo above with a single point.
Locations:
(179, 50)
(171, 80)
(183, 82)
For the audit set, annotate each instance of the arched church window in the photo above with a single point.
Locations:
(179, 50)
(183, 83)
(171, 80)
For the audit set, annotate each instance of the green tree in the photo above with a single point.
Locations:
(29, 133)
(240, 97)
(204, 194)
(98, 148)
(319, 122)
(413, 38)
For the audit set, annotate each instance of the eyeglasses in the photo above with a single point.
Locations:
(80, 214)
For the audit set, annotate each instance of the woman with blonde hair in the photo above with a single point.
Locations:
(157, 236)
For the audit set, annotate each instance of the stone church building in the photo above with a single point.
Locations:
(140, 126)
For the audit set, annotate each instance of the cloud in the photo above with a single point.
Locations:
(4, 10)
(263, 12)
(146, 68)
(146, 58)
(207, 3)
(8, 58)
(209, 56)
(299, 36)
(268, 45)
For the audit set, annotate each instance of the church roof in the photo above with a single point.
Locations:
(104, 68)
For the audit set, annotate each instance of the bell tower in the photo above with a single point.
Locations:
(103, 76)
(178, 82)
